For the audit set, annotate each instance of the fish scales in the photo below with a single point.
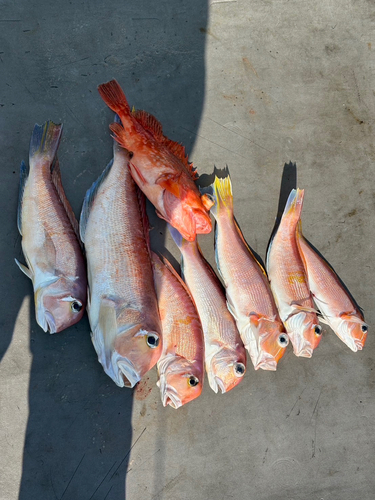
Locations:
(180, 365)
(49, 241)
(120, 276)
(183, 323)
(210, 298)
(158, 166)
(225, 356)
(248, 292)
(55, 222)
(289, 281)
(337, 306)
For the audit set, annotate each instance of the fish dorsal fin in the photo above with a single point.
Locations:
(144, 217)
(299, 236)
(56, 179)
(149, 123)
(178, 150)
(248, 247)
(24, 174)
(89, 200)
(152, 125)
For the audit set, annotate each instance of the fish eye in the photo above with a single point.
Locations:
(317, 330)
(76, 306)
(239, 369)
(283, 340)
(364, 328)
(153, 340)
(193, 381)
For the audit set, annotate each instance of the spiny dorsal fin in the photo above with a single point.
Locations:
(178, 150)
(56, 179)
(24, 174)
(149, 122)
(89, 200)
(143, 213)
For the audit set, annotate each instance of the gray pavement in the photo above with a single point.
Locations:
(250, 84)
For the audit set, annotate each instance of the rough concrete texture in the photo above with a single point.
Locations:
(249, 84)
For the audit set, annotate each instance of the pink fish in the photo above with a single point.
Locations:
(225, 355)
(249, 297)
(50, 240)
(337, 306)
(122, 306)
(289, 281)
(180, 365)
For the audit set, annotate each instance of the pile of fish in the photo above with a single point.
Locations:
(141, 311)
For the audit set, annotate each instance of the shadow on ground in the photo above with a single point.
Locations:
(54, 55)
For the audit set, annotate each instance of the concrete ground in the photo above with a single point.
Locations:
(250, 84)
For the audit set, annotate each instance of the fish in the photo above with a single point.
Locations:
(159, 166)
(289, 282)
(225, 355)
(180, 366)
(50, 239)
(337, 306)
(248, 292)
(122, 304)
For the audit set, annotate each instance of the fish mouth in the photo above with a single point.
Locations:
(50, 324)
(301, 347)
(266, 363)
(220, 384)
(359, 344)
(170, 397)
(305, 353)
(127, 375)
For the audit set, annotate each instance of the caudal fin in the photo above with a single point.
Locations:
(221, 193)
(44, 142)
(293, 207)
(114, 97)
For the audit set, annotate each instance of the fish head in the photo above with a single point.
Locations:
(138, 349)
(226, 368)
(60, 304)
(352, 331)
(304, 332)
(187, 214)
(180, 380)
(272, 344)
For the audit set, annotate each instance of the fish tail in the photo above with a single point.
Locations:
(114, 97)
(222, 194)
(293, 207)
(44, 142)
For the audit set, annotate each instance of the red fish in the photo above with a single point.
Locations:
(159, 166)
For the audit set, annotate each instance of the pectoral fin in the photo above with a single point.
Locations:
(170, 183)
(108, 325)
(24, 269)
(304, 308)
